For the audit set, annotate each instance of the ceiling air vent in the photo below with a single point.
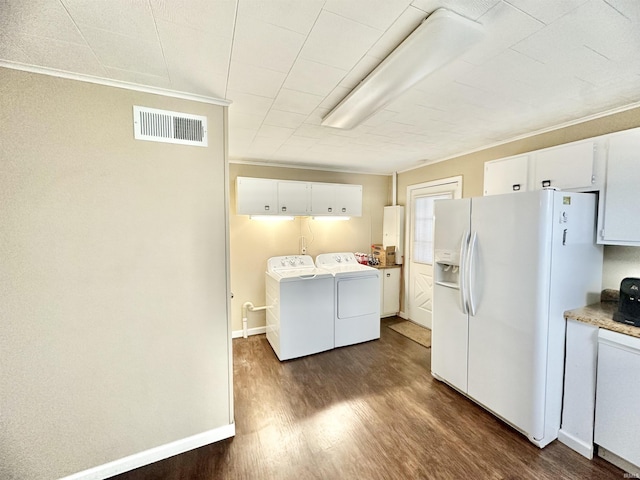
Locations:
(169, 127)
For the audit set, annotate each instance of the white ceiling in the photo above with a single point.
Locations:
(285, 63)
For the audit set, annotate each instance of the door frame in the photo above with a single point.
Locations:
(456, 188)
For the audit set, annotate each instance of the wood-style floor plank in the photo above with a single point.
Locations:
(368, 411)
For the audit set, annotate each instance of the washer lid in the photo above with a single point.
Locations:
(342, 258)
(343, 263)
(299, 274)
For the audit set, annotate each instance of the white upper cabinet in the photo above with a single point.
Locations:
(256, 196)
(293, 198)
(349, 200)
(567, 167)
(506, 175)
(619, 221)
(336, 199)
(265, 196)
(322, 199)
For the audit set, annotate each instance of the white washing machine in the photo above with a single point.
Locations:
(357, 298)
(300, 320)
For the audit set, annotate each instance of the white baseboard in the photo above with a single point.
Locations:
(154, 454)
(403, 315)
(574, 443)
(250, 331)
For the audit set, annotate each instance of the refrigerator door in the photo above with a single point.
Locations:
(509, 275)
(450, 320)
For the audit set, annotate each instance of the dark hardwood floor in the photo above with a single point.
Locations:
(368, 411)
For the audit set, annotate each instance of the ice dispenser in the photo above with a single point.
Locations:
(447, 271)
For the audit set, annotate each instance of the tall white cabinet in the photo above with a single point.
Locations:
(393, 230)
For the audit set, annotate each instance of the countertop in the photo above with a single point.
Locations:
(601, 315)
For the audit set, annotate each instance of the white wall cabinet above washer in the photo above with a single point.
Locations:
(506, 175)
(567, 167)
(336, 199)
(293, 198)
(256, 196)
(266, 196)
(618, 218)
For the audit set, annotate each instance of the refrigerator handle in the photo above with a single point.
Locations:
(470, 256)
(464, 245)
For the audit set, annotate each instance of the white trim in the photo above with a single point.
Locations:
(457, 193)
(575, 444)
(320, 168)
(154, 454)
(403, 315)
(114, 83)
(251, 331)
(524, 136)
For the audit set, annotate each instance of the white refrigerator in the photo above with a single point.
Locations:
(506, 267)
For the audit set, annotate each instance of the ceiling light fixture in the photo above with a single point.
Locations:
(440, 38)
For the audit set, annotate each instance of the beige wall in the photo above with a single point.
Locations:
(253, 241)
(114, 331)
(619, 262)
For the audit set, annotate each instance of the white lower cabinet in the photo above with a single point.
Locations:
(617, 421)
(389, 291)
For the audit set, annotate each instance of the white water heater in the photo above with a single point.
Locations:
(393, 230)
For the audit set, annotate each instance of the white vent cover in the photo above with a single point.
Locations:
(169, 127)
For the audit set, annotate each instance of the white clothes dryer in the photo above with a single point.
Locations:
(357, 298)
(300, 317)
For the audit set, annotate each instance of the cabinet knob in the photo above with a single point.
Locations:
(388, 274)
(266, 207)
(344, 210)
(546, 183)
(329, 209)
(284, 209)
(516, 187)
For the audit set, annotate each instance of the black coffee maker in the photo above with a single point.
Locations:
(629, 304)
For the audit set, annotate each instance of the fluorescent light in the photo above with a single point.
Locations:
(271, 218)
(337, 218)
(443, 36)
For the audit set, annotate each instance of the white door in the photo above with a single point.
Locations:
(420, 200)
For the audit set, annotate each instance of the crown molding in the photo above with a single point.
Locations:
(114, 83)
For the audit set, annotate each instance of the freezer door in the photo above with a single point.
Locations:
(450, 322)
(509, 275)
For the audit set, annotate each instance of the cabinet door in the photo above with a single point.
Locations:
(391, 291)
(622, 192)
(256, 196)
(565, 167)
(293, 198)
(323, 199)
(506, 175)
(349, 200)
(617, 420)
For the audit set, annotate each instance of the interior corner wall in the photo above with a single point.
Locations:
(115, 335)
(619, 262)
(253, 242)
